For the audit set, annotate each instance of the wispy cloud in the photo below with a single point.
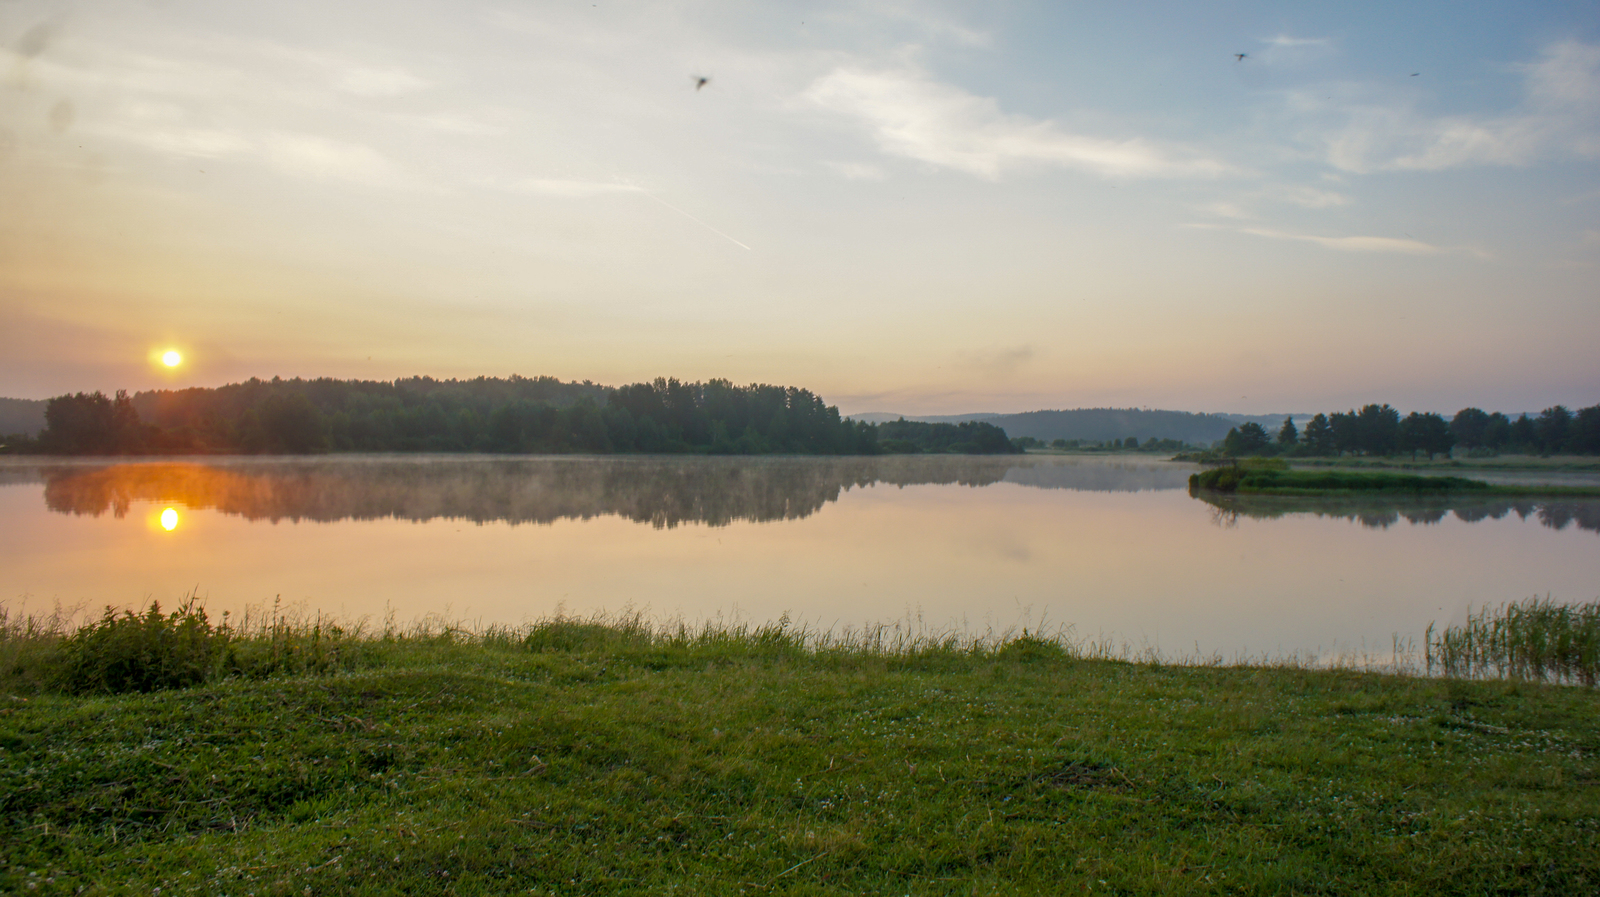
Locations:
(1559, 115)
(857, 171)
(1226, 210)
(1403, 246)
(1312, 198)
(374, 82)
(559, 187)
(911, 115)
(1284, 40)
(309, 155)
(1000, 362)
(1286, 50)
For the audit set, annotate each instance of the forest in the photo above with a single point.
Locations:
(516, 415)
(1379, 430)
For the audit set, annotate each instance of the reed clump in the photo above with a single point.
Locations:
(1536, 639)
(152, 650)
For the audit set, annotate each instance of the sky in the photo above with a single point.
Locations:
(906, 206)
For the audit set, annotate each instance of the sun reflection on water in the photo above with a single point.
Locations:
(169, 519)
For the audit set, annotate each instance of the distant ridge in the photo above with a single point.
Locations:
(1103, 424)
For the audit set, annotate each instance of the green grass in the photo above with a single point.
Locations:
(613, 757)
(1264, 479)
(1544, 463)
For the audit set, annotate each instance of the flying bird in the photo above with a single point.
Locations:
(701, 81)
(1241, 57)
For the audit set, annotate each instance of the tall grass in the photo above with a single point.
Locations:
(150, 650)
(1532, 639)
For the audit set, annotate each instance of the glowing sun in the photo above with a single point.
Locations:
(171, 358)
(169, 519)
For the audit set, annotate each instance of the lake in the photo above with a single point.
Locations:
(1113, 547)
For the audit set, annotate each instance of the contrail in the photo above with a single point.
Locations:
(695, 220)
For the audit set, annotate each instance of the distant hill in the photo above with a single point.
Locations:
(1102, 424)
(24, 416)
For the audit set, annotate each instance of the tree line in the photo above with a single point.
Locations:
(1379, 430)
(517, 415)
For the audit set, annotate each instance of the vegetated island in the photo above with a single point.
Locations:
(516, 415)
(1261, 476)
(153, 751)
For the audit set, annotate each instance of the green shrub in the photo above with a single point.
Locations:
(131, 652)
(1029, 648)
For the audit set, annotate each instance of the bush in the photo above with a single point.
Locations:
(1028, 648)
(142, 652)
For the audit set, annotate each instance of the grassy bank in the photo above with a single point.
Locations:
(1269, 478)
(582, 758)
(1537, 463)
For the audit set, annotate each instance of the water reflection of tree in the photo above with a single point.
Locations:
(662, 492)
(1382, 513)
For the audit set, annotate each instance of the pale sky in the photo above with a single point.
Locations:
(903, 206)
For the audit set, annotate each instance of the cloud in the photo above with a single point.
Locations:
(857, 171)
(1284, 40)
(915, 117)
(165, 128)
(556, 187)
(998, 362)
(1284, 50)
(199, 143)
(1227, 210)
(309, 155)
(1312, 198)
(1559, 115)
(1353, 244)
(370, 82)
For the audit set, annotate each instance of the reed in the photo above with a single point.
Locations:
(1536, 639)
(150, 649)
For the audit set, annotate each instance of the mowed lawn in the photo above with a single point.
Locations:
(751, 766)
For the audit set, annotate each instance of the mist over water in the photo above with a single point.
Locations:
(1112, 546)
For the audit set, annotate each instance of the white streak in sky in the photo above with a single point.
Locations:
(694, 219)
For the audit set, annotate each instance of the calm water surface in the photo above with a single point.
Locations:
(1114, 547)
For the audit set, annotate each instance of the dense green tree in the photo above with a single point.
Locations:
(284, 425)
(1346, 430)
(1426, 433)
(1586, 431)
(91, 423)
(1524, 433)
(1552, 429)
(1379, 429)
(421, 414)
(1469, 425)
(967, 437)
(1246, 439)
(1288, 435)
(1497, 431)
(1318, 437)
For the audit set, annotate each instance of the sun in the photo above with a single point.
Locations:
(172, 358)
(169, 519)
